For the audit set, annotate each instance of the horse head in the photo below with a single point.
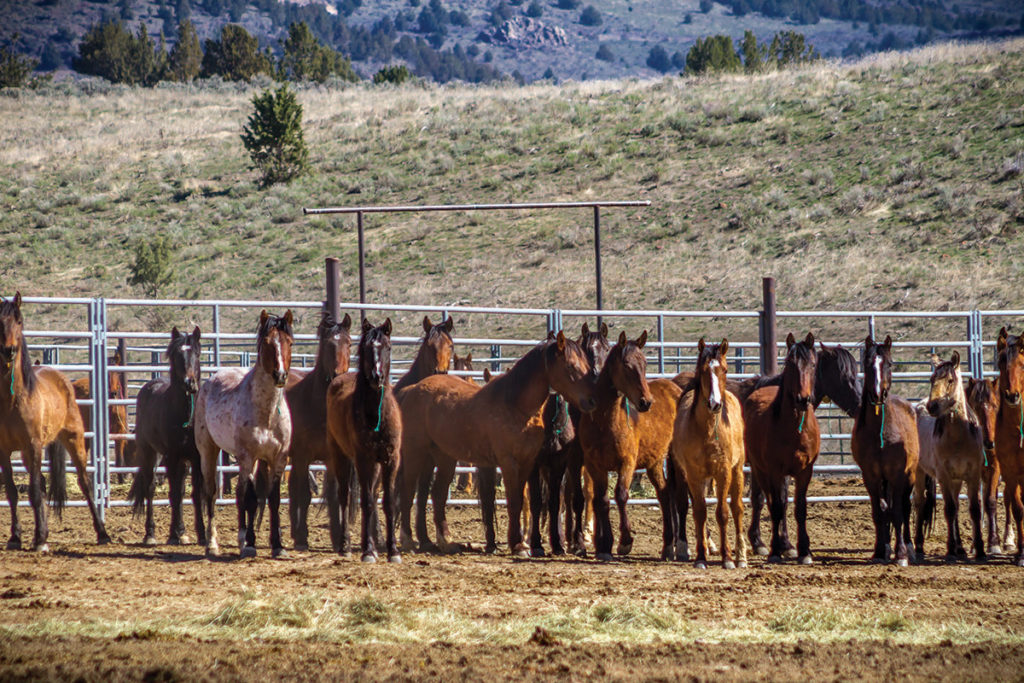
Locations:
(946, 386)
(438, 344)
(375, 354)
(11, 330)
(183, 353)
(837, 378)
(274, 346)
(569, 371)
(877, 362)
(1010, 355)
(596, 347)
(800, 371)
(335, 345)
(983, 397)
(711, 371)
(628, 368)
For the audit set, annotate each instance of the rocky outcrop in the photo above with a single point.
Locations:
(520, 32)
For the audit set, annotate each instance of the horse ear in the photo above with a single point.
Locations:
(551, 335)
(586, 330)
(955, 359)
(487, 375)
(868, 342)
(622, 338)
(700, 346)
(560, 341)
(196, 334)
(935, 360)
(809, 340)
(887, 343)
(175, 333)
(642, 341)
(469, 357)
(604, 330)
(449, 324)
(346, 322)
(288, 317)
(790, 341)
(1001, 339)
(723, 348)
(263, 317)
(387, 326)
(367, 325)
(426, 324)
(17, 300)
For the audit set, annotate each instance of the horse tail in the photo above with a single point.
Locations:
(142, 482)
(928, 509)
(57, 493)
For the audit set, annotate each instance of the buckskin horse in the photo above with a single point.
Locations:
(885, 446)
(244, 413)
(37, 407)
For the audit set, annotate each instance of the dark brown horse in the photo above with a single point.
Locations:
(1010, 429)
(37, 407)
(983, 397)
(364, 429)
(446, 420)
(885, 447)
(163, 427)
(306, 394)
(782, 440)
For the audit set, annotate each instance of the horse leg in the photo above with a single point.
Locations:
(602, 509)
(757, 500)
(333, 505)
(736, 509)
(246, 502)
(881, 522)
(974, 507)
(75, 446)
(900, 516)
(197, 495)
(990, 492)
(536, 503)
(209, 455)
(368, 470)
(803, 540)
(921, 496)
(668, 522)
(389, 477)
(424, 482)
(949, 509)
(556, 473)
(1009, 537)
(622, 486)
(577, 500)
(36, 497)
(14, 542)
(776, 493)
(1013, 486)
(342, 477)
(511, 472)
(486, 486)
(681, 504)
(274, 502)
(700, 517)
(723, 483)
(439, 496)
(176, 483)
(298, 503)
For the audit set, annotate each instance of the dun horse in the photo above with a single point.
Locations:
(983, 398)
(885, 446)
(245, 413)
(364, 429)
(445, 420)
(37, 407)
(782, 440)
(163, 426)
(306, 395)
(707, 444)
(1010, 429)
(951, 453)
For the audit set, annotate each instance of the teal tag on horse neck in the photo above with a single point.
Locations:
(380, 410)
(881, 439)
(800, 429)
(12, 381)
(191, 410)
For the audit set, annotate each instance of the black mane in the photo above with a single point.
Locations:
(28, 377)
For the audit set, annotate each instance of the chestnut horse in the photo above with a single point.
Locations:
(245, 414)
(983, 398)
(117, 415)
(1010, 429)
(364, 429)
(885, 446)
(163, 426)
(619, 438)
(306, 395)
(782, 440)
(951, 453)
(38, 409)
(707, 444)
(445, 420)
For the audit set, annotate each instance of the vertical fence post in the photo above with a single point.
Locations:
(871, 326)
(661, 344)
(98, 352)
(362, 267)
(769, 352)
(332, 272)
(597, 261)
(495, 355)
(216, 335)
(975, 358)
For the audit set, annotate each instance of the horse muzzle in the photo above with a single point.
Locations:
(7, 354)
(1012, 398)
(939, 407)
(280, 379)
(644, 404)
(989, 445)
(587, 405)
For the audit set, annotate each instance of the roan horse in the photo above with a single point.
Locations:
(364, 429)
(245, 413)
(1010, 429)
(951, 453)
(782, 440)
(163, 426)
(306, 394)
(707, 443)
(38, 409)
(445, 420)
(983, 398)
(885, 446)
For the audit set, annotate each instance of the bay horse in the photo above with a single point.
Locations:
(951, 453)
(983, 398)
(783, 440)
(618, 438)
(117, 415)
(1010, 429)
(708, 444)
(885, 446)
(245, 413)
(446, 420)
(164, 427)
(306, 395)
(37, 407)
(364, 430)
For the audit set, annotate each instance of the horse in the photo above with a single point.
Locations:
(37, 409)
(464, 364)
(1010, 429)
(951, 453)
(885, 446)
(445, 420)
(164, 426)
(617, 439)
(364, 429)
(117, 415)
(983, 398)
(245, 413)
(782, 440)
(545, 481)
(708, 444)
(306, 395)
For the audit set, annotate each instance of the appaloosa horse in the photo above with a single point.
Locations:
(163, 426)
(37, 407)
(245, 413)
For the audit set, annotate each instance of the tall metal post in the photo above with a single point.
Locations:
(661, 344)
(332, 277)
(597, 260)
(362, 266)
(769, 352)
(216, 336)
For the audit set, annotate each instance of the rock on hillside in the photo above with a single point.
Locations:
(525, 32)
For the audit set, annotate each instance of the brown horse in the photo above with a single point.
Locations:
(38, 409)
(618, 438)
(885, 446)
(306, 395)
(782, 440)
(983, 398)
(707, 444)
(163, 426)
(1010, 429)
(951, 453)
(364, 429)
(117, 414)
(245, 414)
(464, 364)
(446, 420)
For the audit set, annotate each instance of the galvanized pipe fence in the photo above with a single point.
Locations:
(86, 350)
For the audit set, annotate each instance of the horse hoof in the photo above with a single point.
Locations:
(761, 550)
(369, 558)
(950, 559)
(902, 562)
(521, 554)
(807, 560)
(212, 550)
(774, 559)
(624, 548)
(247, 551)
(683, 556)
(14, 544)
(43, 548)
(395, 559)
(345, 554)
(537, 552)
(557, 551)
(149, 540)
(604, 557)
(919, 557)
(102, 539)
(1020, 562)
(700, 564)
(742, 564)
(179, 540)
(303, 547)
(279, 554)
(981, 558)
(728, 564)
(790, 554)
(995, 550)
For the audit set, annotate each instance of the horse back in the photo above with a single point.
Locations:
(656, 424)
(54, 398)
(307, 402)
(775, 442)
(893, 452)
(340, 414)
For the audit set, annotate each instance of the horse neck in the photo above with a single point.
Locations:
(368, 402)
(709, 424)
(606, 395)
(418, 370)
(526, 385)
(265, 395)
(12, 385)
(841, 393)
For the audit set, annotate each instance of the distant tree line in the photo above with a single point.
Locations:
(717, 54)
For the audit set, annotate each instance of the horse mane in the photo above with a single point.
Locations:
(28, 377)
(946, 368)
(798, 352)
(272, 322)
(519, 374)
(846, 395)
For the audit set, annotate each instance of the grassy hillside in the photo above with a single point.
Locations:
(896, 182)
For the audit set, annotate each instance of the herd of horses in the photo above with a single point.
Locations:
(557, 423)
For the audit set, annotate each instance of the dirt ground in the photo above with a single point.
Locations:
(81, 583)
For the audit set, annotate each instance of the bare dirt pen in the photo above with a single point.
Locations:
(127, 612)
